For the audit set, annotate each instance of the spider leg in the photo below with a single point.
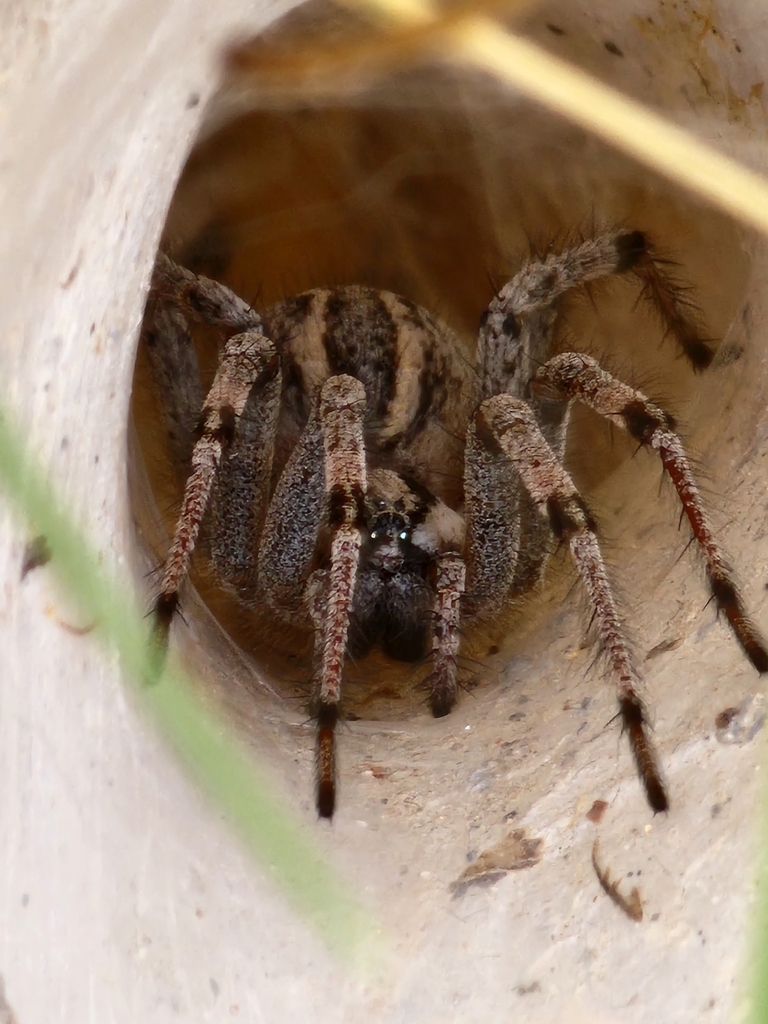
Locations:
(249, 364)
(678, 312)
(297, 510)
(173, 363)
(506, 428)
(446, 638)
(511, 344)
(178, 298)
(200, 299)
(492, 499)
(240, 494)
(581, 377)
(516, 338)
(330, 592)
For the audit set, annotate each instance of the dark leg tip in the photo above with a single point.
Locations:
(745, 631)
(758, 655)
(441, 704)
(656, 795)
(326, 799)
(634, 724)
(630, 249)
(327, 717)
(164, 610)
(698, 353)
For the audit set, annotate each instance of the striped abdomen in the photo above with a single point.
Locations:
(418, 384)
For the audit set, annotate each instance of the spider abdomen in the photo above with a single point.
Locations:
(418, 382)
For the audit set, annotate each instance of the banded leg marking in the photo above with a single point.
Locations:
(507, 425)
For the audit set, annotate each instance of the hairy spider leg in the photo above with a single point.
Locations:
(571, 376)
(516, 337)
(249, 367)
(450, 577)
(342, 411)
(176, 374)
(506, 427)
(511, 346)
(250, 361)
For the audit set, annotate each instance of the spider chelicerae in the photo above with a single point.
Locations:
(357, 477)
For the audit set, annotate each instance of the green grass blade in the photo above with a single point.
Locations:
(202, 741)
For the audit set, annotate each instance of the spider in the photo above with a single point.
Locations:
(354, 473)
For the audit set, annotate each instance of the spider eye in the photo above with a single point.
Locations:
(404, 535)
(374, 534)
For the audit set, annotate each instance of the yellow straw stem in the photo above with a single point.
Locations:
(565, 89)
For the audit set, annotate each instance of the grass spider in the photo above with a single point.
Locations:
(353, 474)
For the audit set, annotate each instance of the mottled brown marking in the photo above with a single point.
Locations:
(724, 719)
(36, 554)
(596, 812)
(516, 852)
(632, 905)
(361, 339)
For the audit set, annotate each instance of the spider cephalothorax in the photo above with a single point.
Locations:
(355, 474)
(393, 596)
